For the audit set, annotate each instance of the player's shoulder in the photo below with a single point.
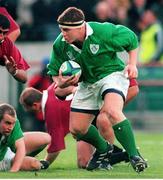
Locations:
(99, 25)
(102, 30)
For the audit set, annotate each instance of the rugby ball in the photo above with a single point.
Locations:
(69, 68)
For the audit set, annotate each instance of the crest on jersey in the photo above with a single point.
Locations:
(94, 48)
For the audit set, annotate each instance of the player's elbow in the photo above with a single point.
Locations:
(13, 36)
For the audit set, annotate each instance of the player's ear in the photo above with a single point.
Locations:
(36, 105)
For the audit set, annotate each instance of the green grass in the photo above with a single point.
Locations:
(151, 146)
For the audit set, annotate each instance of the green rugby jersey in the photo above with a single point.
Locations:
(98, 56)
(9, 141)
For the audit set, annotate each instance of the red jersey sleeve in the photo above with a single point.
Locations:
(9, 49)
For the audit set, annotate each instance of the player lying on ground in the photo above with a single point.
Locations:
(16, 148)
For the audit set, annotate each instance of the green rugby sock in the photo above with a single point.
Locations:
(94, 138)
(124, 134)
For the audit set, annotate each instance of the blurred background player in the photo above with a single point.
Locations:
(135, 12)
(151, 37)
(14, 31)
(17, 148)
(10, 56)
(41, 80)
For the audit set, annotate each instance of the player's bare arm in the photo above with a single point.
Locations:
(52, 156)
(131, 69)
(11, 66)
(19, 155)
(63, 92)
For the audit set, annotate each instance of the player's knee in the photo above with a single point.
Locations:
(115, 114)
(103, 123)
(78, 130)
(112, 113)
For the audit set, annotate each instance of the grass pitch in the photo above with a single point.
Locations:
(151, 146)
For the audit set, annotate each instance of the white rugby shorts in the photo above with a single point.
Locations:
(5, 164)
(90, 96)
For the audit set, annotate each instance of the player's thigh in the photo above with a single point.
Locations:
(84, 153)
(112, 101)
(35, 140)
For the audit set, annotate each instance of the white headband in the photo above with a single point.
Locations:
(72, 25)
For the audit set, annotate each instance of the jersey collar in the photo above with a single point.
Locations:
(43, 102)
(89, 30)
